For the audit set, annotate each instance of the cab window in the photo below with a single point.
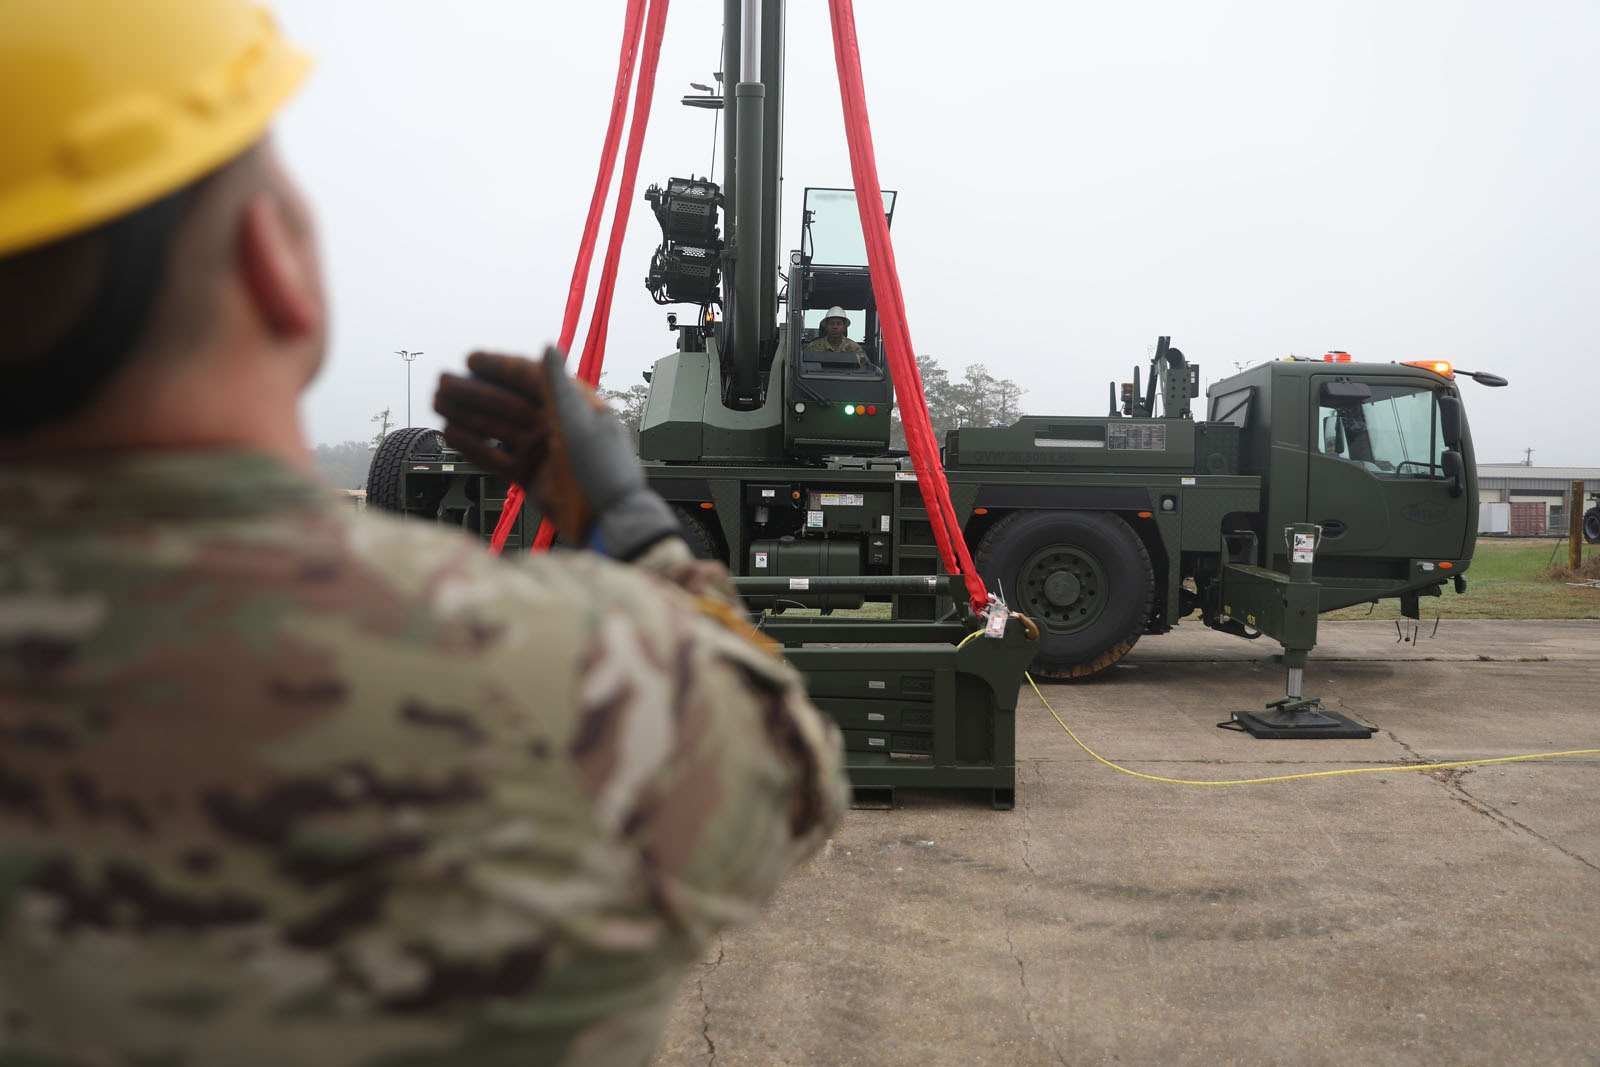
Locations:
(1393, 432)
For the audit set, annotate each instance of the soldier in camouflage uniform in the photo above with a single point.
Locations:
(832, 338)
(282, 783)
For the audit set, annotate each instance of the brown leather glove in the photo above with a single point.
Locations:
(530, 423)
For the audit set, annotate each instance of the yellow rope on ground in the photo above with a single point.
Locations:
(1308, 774)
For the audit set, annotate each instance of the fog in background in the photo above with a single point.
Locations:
(1396, 179)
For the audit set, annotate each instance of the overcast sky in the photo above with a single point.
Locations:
(1400, 180)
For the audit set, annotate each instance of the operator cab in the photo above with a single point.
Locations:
(832, 272)
(835, 402)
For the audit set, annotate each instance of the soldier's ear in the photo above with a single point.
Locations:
(279, 269)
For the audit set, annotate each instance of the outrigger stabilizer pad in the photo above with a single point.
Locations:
(1301, 717)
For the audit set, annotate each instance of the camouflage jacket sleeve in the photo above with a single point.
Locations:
(344, 791)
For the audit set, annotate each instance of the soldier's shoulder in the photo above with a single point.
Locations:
(549, 608)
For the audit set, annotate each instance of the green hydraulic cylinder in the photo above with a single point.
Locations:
(732, 17)
(743, 355)
(772, 72)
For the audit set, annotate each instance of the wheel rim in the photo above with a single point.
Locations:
(1062, 588)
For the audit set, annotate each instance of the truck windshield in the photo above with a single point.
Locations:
(1395, 432)
(833, 228)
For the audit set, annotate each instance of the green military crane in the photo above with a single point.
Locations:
(1304, 485)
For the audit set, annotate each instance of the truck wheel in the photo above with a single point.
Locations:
(1083, 576)
(702, 542)
(1591, 526)
(386, 474)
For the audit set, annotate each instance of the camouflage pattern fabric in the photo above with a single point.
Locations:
(821, 344)
(286, 784)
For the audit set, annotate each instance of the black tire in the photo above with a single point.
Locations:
(703, 541)
(1083, 576)
(1591, 526)
(386, 475)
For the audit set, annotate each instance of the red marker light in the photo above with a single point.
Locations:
(872, 409)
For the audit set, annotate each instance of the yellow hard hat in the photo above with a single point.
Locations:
(108, 105)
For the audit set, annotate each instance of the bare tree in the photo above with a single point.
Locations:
(383, 418)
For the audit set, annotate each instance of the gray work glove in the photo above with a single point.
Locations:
(530, 423)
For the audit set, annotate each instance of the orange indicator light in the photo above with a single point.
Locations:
(1438, 366)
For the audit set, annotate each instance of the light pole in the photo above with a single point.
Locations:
(410, 358)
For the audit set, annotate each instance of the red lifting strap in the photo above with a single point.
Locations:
(594, 348)
(923, 446)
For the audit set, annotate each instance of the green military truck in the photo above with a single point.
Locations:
(1303, 486)
(1102, 529)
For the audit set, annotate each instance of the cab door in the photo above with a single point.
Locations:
(1376, 479)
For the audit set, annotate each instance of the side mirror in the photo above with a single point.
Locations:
(1450, 420)
(1333, 435)
(1453, 469)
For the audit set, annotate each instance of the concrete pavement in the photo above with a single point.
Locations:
(1400, 917)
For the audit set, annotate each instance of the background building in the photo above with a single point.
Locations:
(1529, 501)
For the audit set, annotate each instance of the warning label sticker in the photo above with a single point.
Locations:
(840, 500)
(761, 560)
(814, 519)
(1305, 546)
(1136, 437)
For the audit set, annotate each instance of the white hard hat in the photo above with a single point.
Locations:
(836, 312)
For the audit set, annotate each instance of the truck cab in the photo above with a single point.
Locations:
(1378, 455)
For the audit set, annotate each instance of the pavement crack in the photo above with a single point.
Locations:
(1413, 753)
(1027, 861)
(705, 1004)
(1011, 944)
(1453, 778)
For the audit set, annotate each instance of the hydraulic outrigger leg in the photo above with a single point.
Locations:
(1297, 715)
